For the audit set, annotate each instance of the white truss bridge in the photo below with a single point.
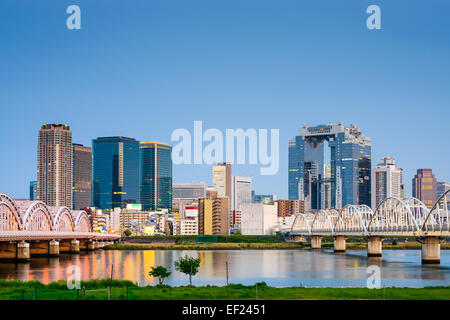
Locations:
(393, 216)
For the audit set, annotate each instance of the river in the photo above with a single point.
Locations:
(400, 268)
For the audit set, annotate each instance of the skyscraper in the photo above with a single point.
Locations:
(241, 192)
(442, 187)
(54, 169)
(82, 177)
(424, 186)
(350, 163)
(156, 175)
(33, 190)
(115, 170)
(387, 179)
(326, 188)
(222, 179)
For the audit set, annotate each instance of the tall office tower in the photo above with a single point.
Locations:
(55, 165)
(424, 187)
(34, 190)
(441, 187)
(115, 172)
(241, 191)
(156, 175)
(205, 214)
(222, 179)
(188, 190)
(326, 187)
(220, 215)
(82, 177)
(350, 163)
(387, 179)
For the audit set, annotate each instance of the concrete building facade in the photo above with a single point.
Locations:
(387, 180)
(424, 186)
(54, 168)
(259, 219)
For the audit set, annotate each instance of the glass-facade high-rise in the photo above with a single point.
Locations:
(82, 176)
(34, 195)
(156, 175)
(115, 172)
(350, 162)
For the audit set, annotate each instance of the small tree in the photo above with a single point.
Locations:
(159, 272)
(127, 232)
(188, 265)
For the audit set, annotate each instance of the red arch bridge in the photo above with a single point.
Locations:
(29, 228)
(392, 217)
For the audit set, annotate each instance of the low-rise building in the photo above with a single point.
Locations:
(287, 208)
(258, 219)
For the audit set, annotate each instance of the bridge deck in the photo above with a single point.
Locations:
(54, 235)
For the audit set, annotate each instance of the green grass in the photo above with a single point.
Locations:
(121, 290)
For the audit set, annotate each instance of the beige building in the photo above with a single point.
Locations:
(205, 213)
(220, 217)
(54, 169)
(188, 227)
(259, 219)
(222, 179)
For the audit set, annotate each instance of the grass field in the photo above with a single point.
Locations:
(123, 290)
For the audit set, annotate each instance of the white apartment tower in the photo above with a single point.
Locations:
(386, 181)
(241, 192)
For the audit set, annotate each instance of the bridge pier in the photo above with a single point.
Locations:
(23, 251)
(75, 246)
(339, 243)
(316, 242)
(431, 250)
(375, 246)
(53, 248)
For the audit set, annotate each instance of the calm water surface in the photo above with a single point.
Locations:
(401, 268)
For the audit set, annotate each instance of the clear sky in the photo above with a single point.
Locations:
(145, 68)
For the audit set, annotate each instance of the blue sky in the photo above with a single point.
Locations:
(145, 68)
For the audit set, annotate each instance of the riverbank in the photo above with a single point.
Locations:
(209, 246)
(258, 246)
(123, 290)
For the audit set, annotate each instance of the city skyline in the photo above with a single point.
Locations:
(408, 184)
(274, 67)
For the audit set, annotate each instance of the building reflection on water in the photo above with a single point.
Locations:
(276, 267)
